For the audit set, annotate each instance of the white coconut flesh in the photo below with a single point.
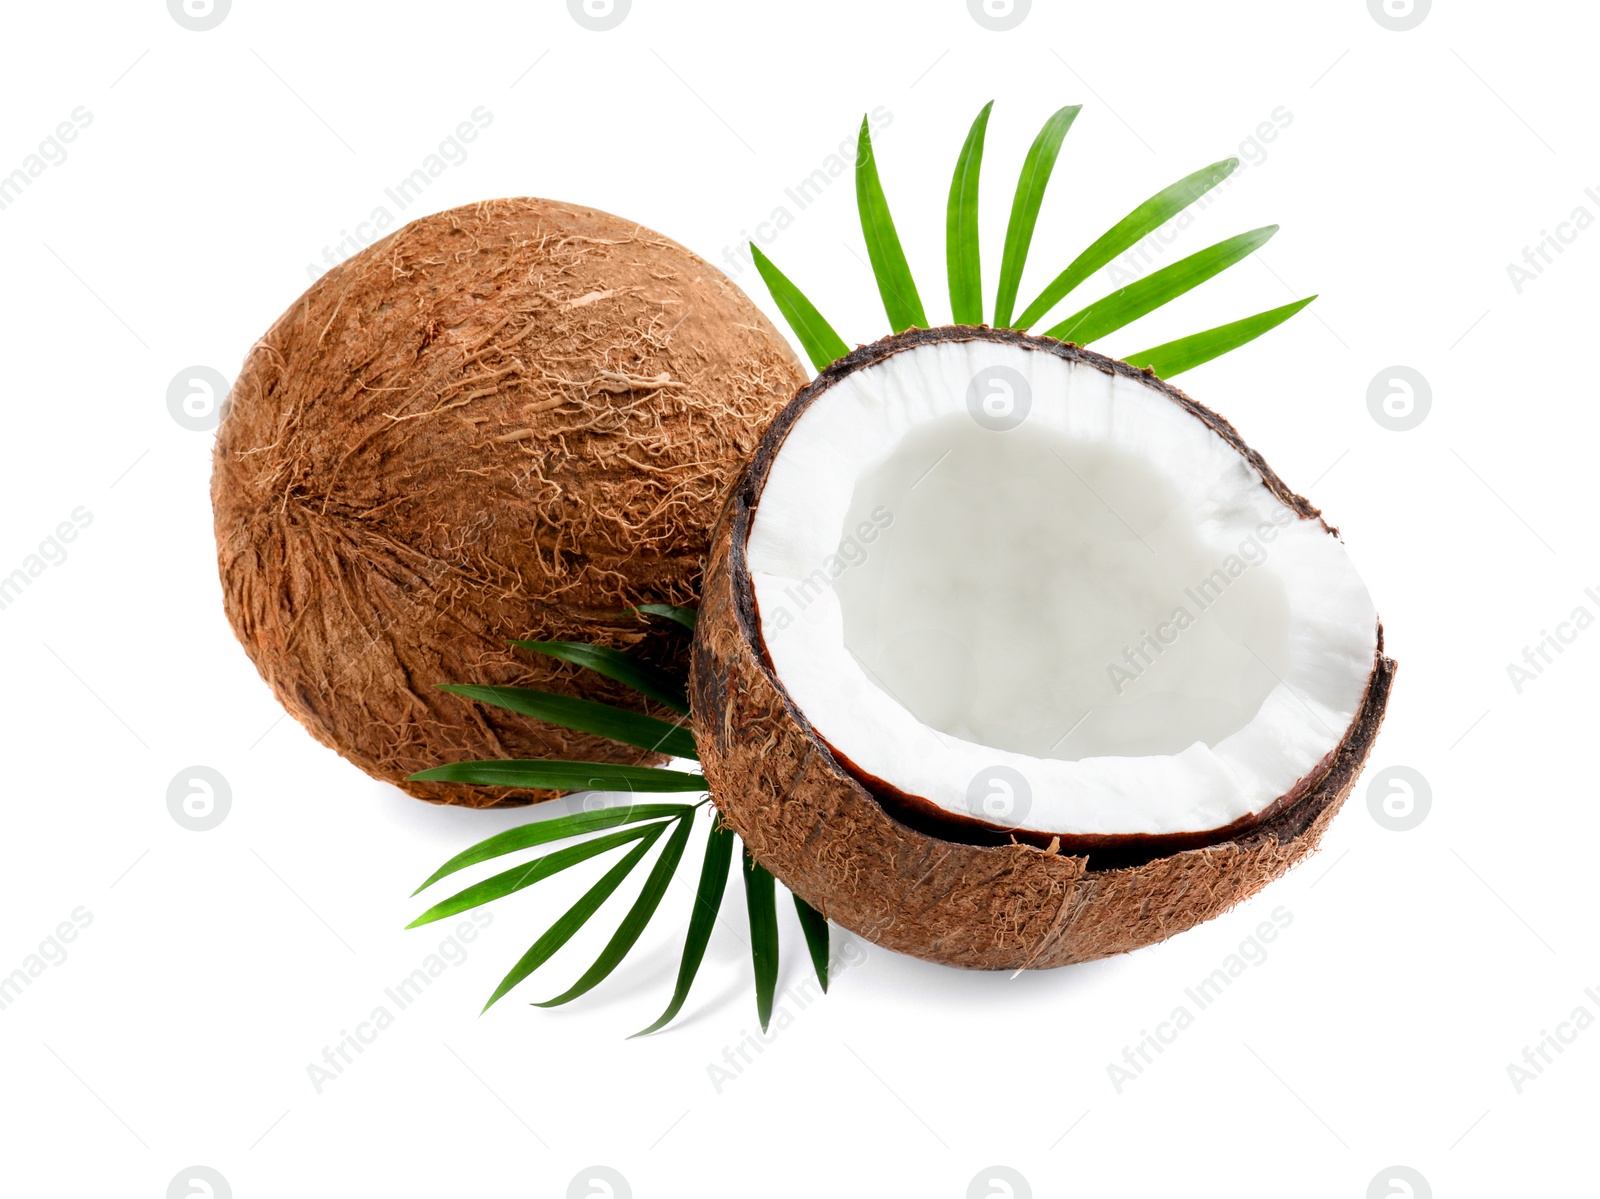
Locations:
(1052, 599)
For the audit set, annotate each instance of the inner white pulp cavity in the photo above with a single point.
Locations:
(1051, 599)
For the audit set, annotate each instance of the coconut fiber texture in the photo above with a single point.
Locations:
(510, 420)
(808, 820)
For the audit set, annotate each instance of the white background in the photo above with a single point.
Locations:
(218, 965)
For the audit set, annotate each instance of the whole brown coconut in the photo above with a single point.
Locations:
(806, 817)
(509, 420)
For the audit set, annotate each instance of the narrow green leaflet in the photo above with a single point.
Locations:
(673, 612)
(961, 228)
(618, 666)
(815, 926)
(707, 902)
(559, 933)
(1175, 357)
(889, 267)
(587, 716)
(821, 344)
(562, 776)
(633, 924)
(541, 832)
(1126, 304)
(1129, 231)
(508, 882)
(1036, 168)
(760, 899)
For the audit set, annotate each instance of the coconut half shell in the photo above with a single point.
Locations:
(807, 818)
(509, 420)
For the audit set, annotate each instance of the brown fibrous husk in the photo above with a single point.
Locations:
(805, 816)
(509, 420)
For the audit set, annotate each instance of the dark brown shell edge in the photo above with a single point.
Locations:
(826, 837)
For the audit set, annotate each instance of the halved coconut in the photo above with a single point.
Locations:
(1010, 654)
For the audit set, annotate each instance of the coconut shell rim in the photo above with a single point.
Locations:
(1284, 820)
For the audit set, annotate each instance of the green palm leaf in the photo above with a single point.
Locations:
(821, 344)
(1129, 231)
(617, 666)
(1035, 176)
(562, 776)
(559, 933)
(541, 832)
(633, 924)
(1174, 357)
(889, 267)
(961, 228)
(1128, 304)
(586, 716)
(676, 613)
(707, 902)
(761, 903)
(815, 926)
(508, 882)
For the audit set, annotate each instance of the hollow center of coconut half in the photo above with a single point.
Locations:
(1021, 589)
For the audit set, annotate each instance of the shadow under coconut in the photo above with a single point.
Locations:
(454, 824)
(898, 974)
(642, 983)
